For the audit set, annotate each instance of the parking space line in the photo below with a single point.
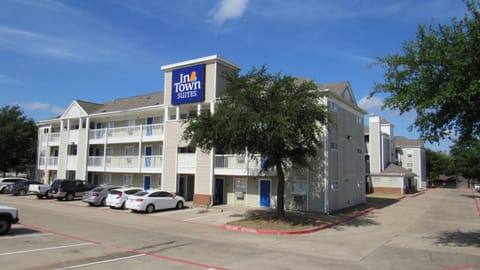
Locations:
(136, 251)
(100, 262)
(43, 249)
(25, 236)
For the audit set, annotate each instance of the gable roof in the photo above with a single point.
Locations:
(395, 169)
(401, 141)
(122, 104)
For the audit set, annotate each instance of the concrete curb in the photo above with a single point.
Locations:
(305, 231)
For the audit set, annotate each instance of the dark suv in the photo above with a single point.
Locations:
(21, 187)
(69, 189)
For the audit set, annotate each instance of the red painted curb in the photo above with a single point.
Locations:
(305, 231)
(476, 202)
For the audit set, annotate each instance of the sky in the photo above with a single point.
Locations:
(53, 52)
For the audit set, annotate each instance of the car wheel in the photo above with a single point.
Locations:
(39, 196)
(179, 205)
(22, 192)
(69, 197)
(5, 226)
(123, 206)
(150, 208)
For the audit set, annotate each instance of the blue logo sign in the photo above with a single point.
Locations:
(188, 85)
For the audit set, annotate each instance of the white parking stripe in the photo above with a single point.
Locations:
(44, 249)
(100, 262)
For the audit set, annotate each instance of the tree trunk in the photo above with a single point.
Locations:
(280, 191)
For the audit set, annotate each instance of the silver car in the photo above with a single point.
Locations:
(98, 195)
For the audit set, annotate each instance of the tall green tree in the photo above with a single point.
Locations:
(466, 158)
(437, 75)
(18, 140)
(272, 115)
(437, 163)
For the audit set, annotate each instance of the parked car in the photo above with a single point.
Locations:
(5, 182)
(20, 188)
(477, 187)
(98, 195)
(150, 201)
(42, 190)
(8, 216)
(69, 189)
(117, 197)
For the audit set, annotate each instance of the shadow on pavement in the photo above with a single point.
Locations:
(459, 239)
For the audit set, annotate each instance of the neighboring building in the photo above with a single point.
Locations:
(137, 141)
(395, 164)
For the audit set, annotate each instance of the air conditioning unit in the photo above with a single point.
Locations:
(239, 195)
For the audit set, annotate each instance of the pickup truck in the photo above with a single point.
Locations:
(8, 216)
(41, 190)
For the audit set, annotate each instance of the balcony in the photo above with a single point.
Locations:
(186, 163)
(48, 163)
(238, 165)
(144, 133)
(50, 139)
(143, 164)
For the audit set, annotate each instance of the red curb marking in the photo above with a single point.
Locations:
(462, 267)
(123, 248)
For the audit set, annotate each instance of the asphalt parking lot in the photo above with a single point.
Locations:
(437, 230)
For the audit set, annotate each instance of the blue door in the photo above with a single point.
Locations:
(149, 126)
(264, 193)
(181, 186)
(148, 154)
(146, 182)
(95, 179)
(218, 198)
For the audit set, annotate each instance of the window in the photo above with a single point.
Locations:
(299, 187)
(333, 146)
(107, 179)
(333, 107)
(128, 180)
(240, 185)
(334, 185)
(185, 150)
(409, 153)
(359, 120)
(130, 150)
(359, 151)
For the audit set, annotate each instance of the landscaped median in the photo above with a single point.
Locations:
(266, 222)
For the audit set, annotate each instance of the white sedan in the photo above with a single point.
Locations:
(117, 197)
(149, 201)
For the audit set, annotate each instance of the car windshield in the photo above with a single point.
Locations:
(115, 192)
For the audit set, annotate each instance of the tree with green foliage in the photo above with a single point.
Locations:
(437, 76)
(274, 116)
(18, 140)
(466, 159)
(437, 164)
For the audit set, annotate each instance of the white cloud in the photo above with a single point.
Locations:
(229, 9)
(373, 103)
(39, 106)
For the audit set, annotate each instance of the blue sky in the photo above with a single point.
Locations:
(52, 52)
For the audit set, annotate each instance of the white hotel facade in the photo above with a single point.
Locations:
(137, 141)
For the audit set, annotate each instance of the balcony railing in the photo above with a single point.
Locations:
(238, 165)
(133, 132)
(118, 163)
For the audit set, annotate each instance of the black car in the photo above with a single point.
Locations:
(21, 187)
(69, 189)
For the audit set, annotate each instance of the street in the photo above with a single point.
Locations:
(436, 230)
